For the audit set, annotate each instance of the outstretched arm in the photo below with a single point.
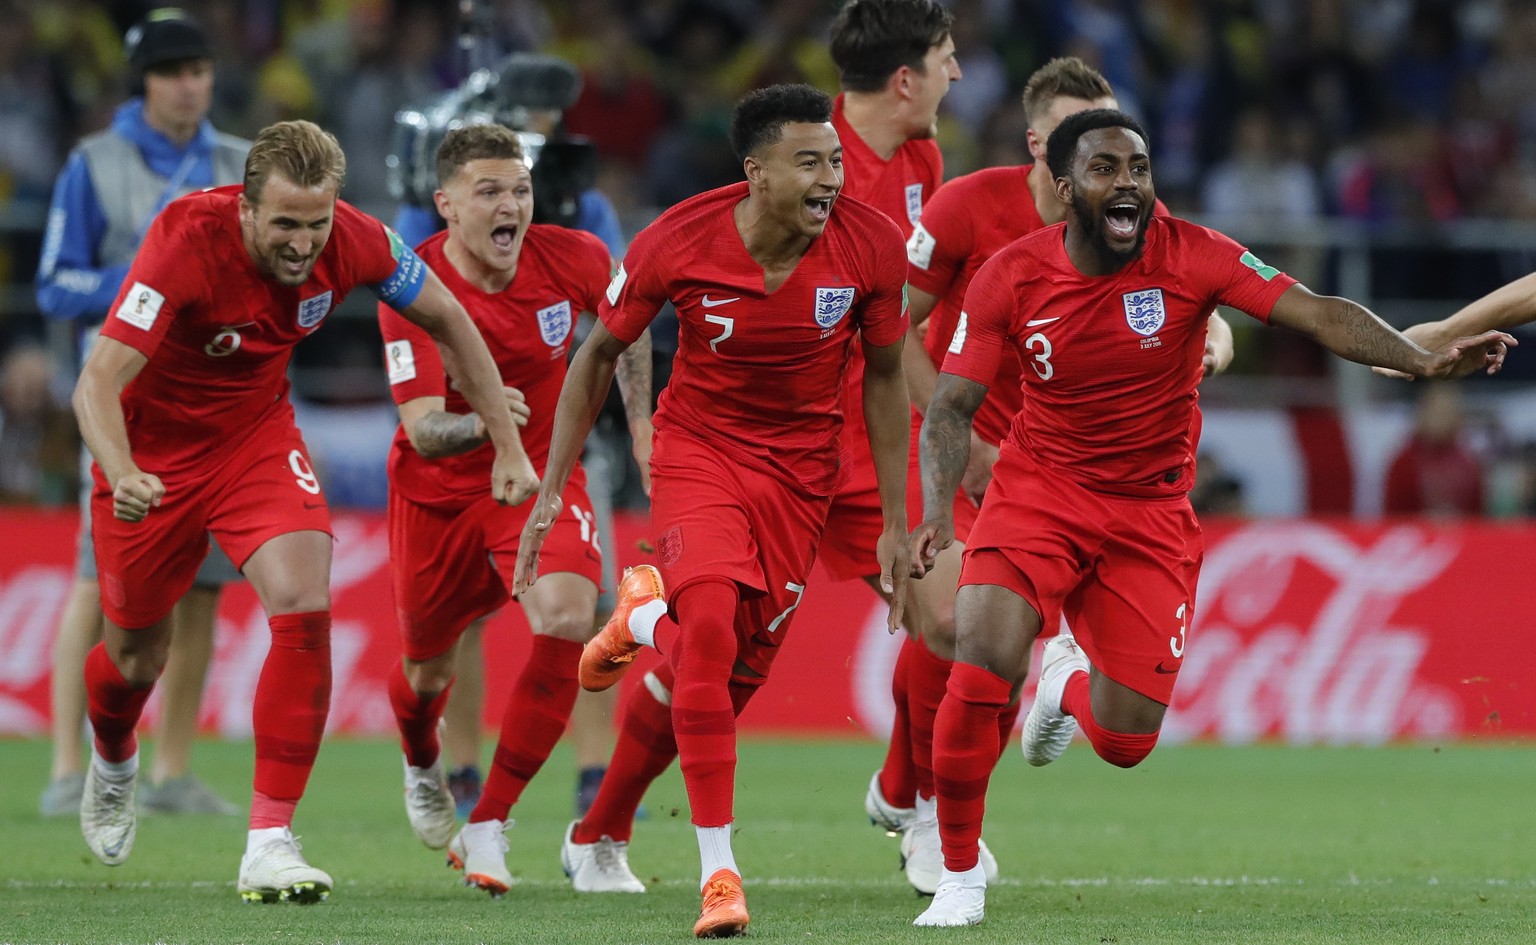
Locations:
(581, 397)
(1503, 308)
(944, 450)
(1354, 333)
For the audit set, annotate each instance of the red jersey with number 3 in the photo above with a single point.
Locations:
(217, 333)
(1111, 363)
(759, 375)
(528, 327)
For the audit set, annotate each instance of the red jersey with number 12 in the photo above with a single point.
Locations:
(758, 374)
(218, 333)
(1111, 363)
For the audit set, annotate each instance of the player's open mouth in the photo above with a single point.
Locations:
(1121, 219)
(503, 237)
(820, 207)
(294, 266)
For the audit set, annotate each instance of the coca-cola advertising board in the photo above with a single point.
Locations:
(1304, 631)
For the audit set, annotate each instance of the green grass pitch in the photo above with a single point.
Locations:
(1420, 845)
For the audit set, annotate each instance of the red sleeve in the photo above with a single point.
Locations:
(166, 278)
(369, 245)
(983, 328)
(883, 313)
(639, 289)
(411, 358)
(593, 271)
(1239, 278)
(940, 244)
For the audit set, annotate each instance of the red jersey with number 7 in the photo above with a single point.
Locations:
(758, 374)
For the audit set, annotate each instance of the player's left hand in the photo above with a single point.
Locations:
(1217, 357)
(541, 518)
(1465, 355)
(516, 403)
(928, 539)
(640, 433)
(892, 553)
(513, 480)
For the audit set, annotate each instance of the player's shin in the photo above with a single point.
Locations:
(644, 749)
(293, 698)
(417, 715)
(114, 706)
(703, 717)
(536, 715)
(964, 753)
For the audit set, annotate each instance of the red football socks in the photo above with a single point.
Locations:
(1123, 749)
(927, 676)
(898, 775)
(963, 758)
(537, 713)
(293, 697)
(114, 706)
(1006, 720)
(703, 717)
(417, 715)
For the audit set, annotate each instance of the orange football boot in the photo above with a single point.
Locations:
(607, 656)
(725, 907)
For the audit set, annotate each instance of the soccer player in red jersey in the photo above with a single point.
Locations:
(774, 280)
(945, 251)
(452, 546)
(895, 60)
(183, 403)
(1087, 515)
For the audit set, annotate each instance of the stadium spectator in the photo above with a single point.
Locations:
(37, 433)
(1260, 182)
(1087, 517)
(452, 548)
(183, 403)
(1434, 473)
(160, 146)
(745, 464)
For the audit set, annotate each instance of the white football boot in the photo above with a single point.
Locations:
(429, 804)
(1047, 729)
(598, 867)
(107, 816)
(922, 854)
(960, 900)
(480, 851)
(273, 870)
(882, 813)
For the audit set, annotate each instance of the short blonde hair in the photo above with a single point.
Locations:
(1064, 77)
(298, 151)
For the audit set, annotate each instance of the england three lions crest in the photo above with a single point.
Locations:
(555, 323)
(312, 311)
(832, 305)
(1144, 311)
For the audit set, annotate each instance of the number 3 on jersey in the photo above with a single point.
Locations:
(1041, 346)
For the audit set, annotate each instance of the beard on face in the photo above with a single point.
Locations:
(1098, 238)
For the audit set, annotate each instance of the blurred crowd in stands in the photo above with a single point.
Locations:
(1414, 112)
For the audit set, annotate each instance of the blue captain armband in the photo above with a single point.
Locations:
(404, 284)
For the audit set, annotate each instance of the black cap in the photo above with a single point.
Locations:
(165, 35)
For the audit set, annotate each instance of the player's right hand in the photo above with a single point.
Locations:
(541, 518)
(927, 540)
(135, 494)
(513, 480)
(516, 403)
(1484, 352)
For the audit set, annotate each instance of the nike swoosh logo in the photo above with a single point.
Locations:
(711, 303)
(1164, 670)
(1041, 321)
(115, 849)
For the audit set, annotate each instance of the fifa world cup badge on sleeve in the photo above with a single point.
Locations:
(832, 305)
(1144, 311)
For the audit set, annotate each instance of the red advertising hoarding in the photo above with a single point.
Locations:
(1305, 631)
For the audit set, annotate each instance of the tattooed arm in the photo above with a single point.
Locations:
(435, 433)
(944, 448)
(1353, 332)
(633, 373)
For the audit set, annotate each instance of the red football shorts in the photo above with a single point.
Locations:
(717, 517)
(449, 567)
(964, 508)
(1121, 570)
(264, 489)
